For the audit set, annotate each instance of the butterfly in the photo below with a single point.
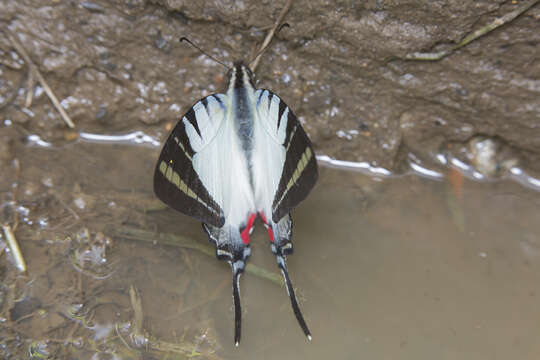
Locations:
(231, 159)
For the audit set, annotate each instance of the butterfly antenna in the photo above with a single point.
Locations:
(237, 271)
(203, 52)
(276, 28)
(294, 303)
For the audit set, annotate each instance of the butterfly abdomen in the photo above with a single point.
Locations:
(243, 122)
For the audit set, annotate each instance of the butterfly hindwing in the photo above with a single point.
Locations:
(299, 170)
(176, 182)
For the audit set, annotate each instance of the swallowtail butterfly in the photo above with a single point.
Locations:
(233, 158)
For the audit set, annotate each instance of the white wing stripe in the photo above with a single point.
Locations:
(268, 108)
(176, 140)
(273, 112)
(282, 131)
(202, 119)
(194, 139)
(208, 119)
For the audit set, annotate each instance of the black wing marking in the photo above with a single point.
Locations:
(176, 182)
(292, 296)
(300, 172)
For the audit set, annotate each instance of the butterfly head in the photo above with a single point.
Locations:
(240, 76)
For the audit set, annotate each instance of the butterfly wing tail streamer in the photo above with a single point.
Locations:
(237, 269)
(229, 247)
(294, 302)
(280, 237)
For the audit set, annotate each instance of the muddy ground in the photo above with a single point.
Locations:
(118, 67)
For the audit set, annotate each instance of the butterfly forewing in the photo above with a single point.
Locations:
(176, 182)
(298, 173)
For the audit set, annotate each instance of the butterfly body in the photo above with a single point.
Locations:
(231, 159)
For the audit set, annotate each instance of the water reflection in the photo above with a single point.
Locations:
(386, 266)
(133, 138)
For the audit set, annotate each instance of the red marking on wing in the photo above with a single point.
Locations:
(271, 234)
(245, 232)
(270, 231)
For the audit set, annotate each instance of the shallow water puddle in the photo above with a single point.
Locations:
(395, 268)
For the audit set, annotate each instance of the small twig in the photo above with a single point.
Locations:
(70, 210)
(136, 304)
(187, 349)
(72, 331)
(213, 296)
(121, 337)
(14, 247)
(184, 242)
(33, 68)
(29, 90)
(17, 166)
(270, 34)
(434, 56)
(27, 316)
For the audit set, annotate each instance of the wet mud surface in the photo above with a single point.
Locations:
(118, 65)
(406, 267)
